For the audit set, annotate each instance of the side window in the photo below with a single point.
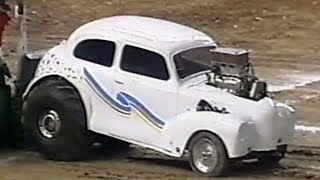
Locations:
(144, 62)
(96, 51)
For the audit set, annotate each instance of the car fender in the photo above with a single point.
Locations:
(236, 133)
(72, 76)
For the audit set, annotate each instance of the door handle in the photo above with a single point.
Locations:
(118, 82)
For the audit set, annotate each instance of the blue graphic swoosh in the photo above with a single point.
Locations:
(124, 103)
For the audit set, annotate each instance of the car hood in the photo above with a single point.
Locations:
(234, 104)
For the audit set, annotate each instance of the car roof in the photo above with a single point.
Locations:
(146, 31)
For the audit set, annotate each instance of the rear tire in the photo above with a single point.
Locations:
(55, 121)
(208, 155)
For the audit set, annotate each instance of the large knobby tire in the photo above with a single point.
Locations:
(208, 155)
(55, 121)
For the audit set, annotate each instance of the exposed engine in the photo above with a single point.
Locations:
(233, 72)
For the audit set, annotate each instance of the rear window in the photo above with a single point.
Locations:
(96, 51)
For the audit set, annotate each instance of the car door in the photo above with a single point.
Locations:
(98, 57)
(143, 80)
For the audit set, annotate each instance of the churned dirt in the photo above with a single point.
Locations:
(284, 37)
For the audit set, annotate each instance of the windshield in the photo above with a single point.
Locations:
(193, 61)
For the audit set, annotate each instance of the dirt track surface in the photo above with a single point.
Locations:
(301, 163)
(284, 37)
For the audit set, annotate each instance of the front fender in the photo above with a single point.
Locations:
(286, 121)
(237, 134)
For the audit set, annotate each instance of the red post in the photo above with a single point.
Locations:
(4, 21)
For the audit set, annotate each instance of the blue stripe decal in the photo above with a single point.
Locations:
(124, 103)
(122, 100)
(123, 108)
(135, 103)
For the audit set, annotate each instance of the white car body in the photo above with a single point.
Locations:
(157, 114)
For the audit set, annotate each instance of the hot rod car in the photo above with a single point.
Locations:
(156, 84)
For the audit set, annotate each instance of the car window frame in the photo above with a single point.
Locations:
(142, 75)
(97, 39)
(182, 81)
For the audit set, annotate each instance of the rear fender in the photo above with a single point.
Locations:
(76, 83)
(26, 70)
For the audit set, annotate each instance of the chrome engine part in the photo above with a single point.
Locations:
(233, 72)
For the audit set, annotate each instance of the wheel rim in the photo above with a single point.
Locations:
(205, 155)
(49, 124)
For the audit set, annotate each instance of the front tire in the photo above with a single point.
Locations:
(208, 155)
(55, 121)
(274, 158)
(270, 160)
